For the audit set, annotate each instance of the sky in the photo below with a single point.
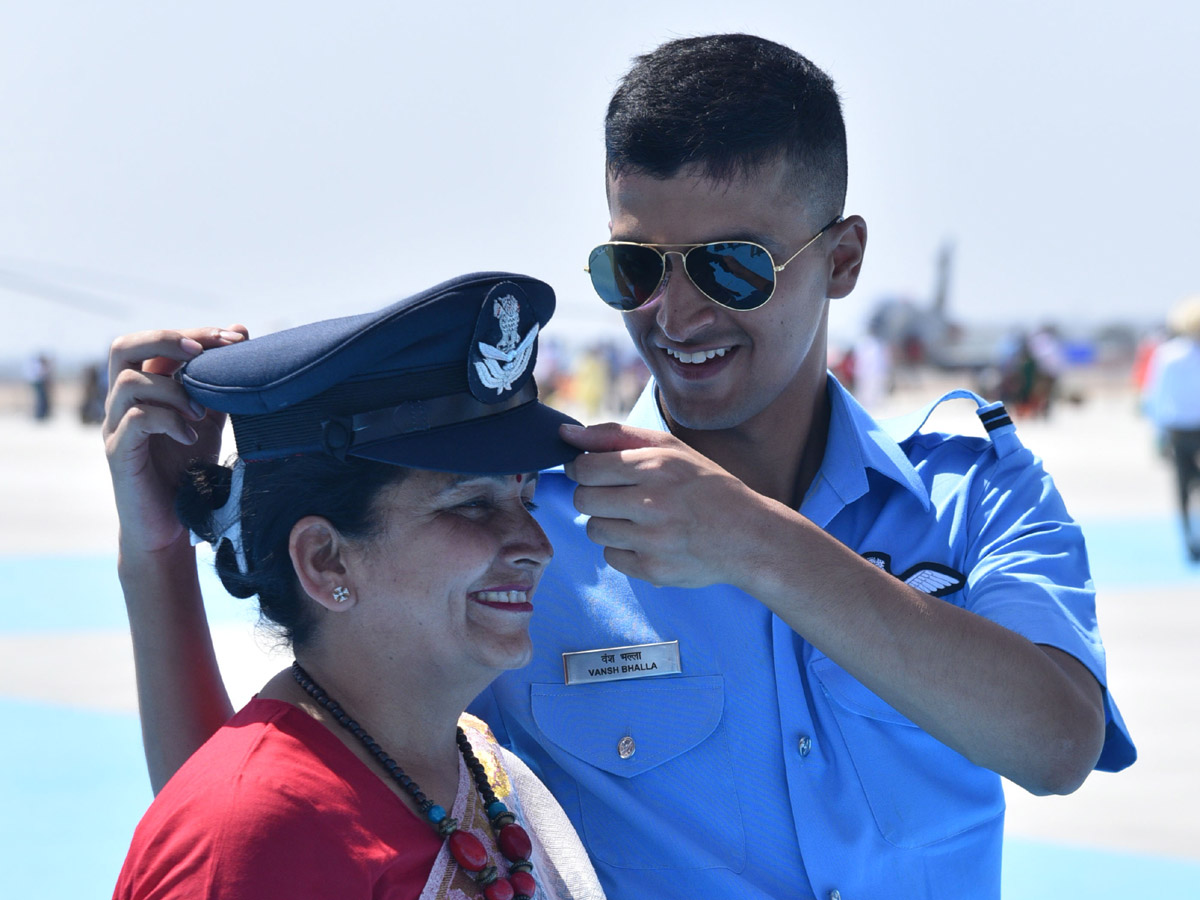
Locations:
(273, 163)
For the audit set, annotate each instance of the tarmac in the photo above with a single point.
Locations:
(59, 650)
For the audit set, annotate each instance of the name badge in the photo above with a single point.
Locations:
(617, 663)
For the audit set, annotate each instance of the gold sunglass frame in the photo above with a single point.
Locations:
(682, 251)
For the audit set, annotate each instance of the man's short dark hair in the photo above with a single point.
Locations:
(728, 104)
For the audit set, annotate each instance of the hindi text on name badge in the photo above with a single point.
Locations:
(618, 663)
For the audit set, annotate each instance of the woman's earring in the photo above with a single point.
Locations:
(341, 594)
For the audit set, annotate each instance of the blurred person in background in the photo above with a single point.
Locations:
(39, 373)
(1046, 346)
(1171, 398)
(872, 370)
(1019, 377)
(94, 383)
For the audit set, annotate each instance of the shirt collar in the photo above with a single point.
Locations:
(856, 442)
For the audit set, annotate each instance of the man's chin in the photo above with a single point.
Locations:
(697, 413)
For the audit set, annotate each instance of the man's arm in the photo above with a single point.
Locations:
(151, 433)
(668, 515)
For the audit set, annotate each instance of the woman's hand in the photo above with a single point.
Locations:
(152, 430)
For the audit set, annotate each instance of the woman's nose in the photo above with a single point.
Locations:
(529, 544)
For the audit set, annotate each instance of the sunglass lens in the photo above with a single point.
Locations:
(625, 275)
(736, 274)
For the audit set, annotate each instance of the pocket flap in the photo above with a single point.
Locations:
(665, 717)
(852, 695)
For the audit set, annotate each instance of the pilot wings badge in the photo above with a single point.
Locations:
(927, 577)
(501, 364)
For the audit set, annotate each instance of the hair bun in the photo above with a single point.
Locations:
(203, 488)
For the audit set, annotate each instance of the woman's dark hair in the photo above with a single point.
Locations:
(730, 104)
(275, 495)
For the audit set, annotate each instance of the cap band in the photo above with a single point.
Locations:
(314, 425)
(341, 435)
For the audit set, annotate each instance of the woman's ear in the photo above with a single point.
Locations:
(317, 550)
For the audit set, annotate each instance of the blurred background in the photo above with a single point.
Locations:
(1027, 171)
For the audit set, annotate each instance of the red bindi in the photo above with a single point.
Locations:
(519, 477)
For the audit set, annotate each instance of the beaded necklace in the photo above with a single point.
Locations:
(468, 851)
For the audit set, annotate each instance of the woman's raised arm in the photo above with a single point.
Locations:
(152, 431)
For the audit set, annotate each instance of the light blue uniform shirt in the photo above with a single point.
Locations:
(763, 769)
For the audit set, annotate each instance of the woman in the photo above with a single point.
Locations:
(380, 512)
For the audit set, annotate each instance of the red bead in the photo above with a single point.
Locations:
(523, 883)
(500, 889)
(468, 851)
(514, 843)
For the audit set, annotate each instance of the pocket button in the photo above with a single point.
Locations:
(626, 747)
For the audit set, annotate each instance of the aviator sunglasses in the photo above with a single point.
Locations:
(738, 275)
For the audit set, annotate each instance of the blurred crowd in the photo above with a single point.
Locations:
(597, 382)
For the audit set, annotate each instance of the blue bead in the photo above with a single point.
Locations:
(494, 809)
(435, 814)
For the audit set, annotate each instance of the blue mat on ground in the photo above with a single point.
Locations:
(73, 786)
(82, 593)
(1034, 870)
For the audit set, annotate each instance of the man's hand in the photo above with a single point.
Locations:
(152, 430)
(663, 512)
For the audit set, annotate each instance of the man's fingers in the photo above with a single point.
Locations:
(618, 534)
(603, 469)
(627, 562)
(621, 501)
(621, 467)
(611, 436)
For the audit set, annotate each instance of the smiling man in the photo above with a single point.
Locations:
(853, 635)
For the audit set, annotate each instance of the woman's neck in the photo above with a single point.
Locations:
(412, 720)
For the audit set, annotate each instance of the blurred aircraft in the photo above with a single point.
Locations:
(926, 334)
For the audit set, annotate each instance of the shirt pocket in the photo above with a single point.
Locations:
(634, 806)
(919, 790)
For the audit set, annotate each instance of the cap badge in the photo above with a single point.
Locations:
(505, 362)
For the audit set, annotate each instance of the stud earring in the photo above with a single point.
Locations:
(341, 594)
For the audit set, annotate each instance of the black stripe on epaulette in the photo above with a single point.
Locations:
(995, 418)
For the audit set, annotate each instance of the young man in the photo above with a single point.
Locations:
(781, 653)
(861, 636)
